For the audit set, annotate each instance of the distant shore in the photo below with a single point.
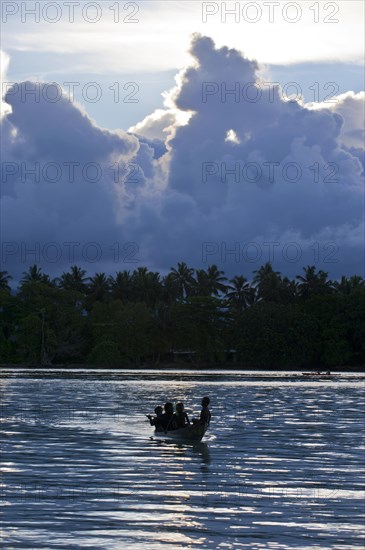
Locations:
(181, 366)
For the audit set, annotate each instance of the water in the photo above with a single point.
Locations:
(281, 467)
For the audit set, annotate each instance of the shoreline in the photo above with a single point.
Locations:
(181, 366)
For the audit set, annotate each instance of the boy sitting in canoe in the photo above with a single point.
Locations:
(180, 417)
(205, 414)
(156, 421)
(167, 419)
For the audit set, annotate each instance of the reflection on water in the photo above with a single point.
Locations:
(281, 467)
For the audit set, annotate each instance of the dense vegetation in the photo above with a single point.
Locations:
(188, 315)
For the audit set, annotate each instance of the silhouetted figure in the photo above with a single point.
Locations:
(205, 414)
(167, 418)
(180, 417)
(156, 421)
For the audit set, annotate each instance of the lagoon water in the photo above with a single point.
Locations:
(281, 467)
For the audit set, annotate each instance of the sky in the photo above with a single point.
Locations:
(147, 133)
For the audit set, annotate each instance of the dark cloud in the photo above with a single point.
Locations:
(170, 199)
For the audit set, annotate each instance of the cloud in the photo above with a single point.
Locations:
(65, 180)
(4, 64)
(143, 43)
(351, 107)
(155, 125)
(325, 205)
(239, 173)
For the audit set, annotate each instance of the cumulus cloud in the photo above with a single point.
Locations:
(65, 180)
(269, 134)
(351, 107)
(228, 165)
(4, 64)
(155, 125)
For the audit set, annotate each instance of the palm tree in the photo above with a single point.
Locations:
(98, 288)
(209, 282)
(4, 281)
(183, 276)
(34, 275)
(348, 286)
(289, 290)
(314, 283)
(343, 286)
(240, 293)
(147, 286)
(74, 280)
(201, 285)
(268, 283)
(357, 282)
(155, 288)
(215, 279)
(121, 286)
(171, 292)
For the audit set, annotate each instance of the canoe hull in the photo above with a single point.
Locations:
(193, 432)
(324, 375)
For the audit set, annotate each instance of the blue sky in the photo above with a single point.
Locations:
(182, 205)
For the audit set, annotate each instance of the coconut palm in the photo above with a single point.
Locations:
(240, 294)
(209, 282)
(216, 280)
(357, 282)
(147, 286)
(34, 275)
(313, 282)
(349, 285)
(74, 280)
(98, 288)
(171, 292)
(4, 281)
(183, 277)
(121, 286)
(268, 283)
(289, 290)
(201, 285)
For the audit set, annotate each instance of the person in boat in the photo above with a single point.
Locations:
(205, 414)
(155, 421)
(167, 420)
(180, 417)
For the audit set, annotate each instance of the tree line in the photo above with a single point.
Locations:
(189, 315)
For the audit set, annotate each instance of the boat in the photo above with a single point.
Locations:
(319, 374)
(192, 432)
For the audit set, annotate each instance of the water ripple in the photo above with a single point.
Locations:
(282, 466)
